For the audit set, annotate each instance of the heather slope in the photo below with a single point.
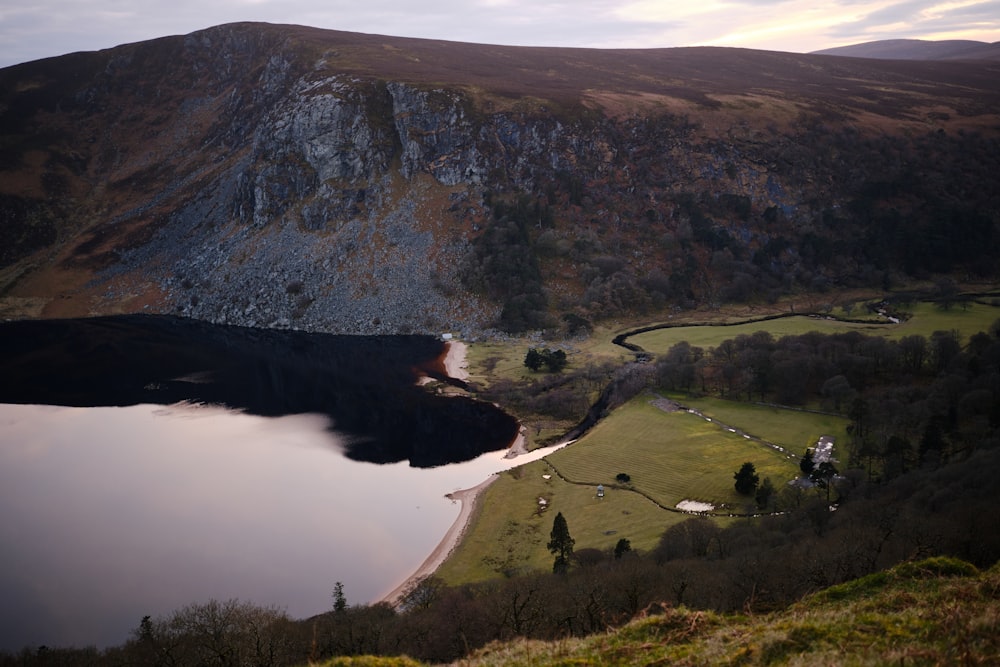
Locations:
(930, 612)
(919, 49)
(937, 611)
(286, 176)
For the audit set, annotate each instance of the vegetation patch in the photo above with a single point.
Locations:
(793, 429)
(949, 621)
(923, 318)
(866, 586)
(370, 661)
(674, 456)
(510, 538)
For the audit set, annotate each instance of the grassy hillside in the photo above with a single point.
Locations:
(669, 456)
(932, 612)
(792, 429)
(924, 319)
(510, 532)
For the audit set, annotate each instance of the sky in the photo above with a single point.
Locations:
(32, 29)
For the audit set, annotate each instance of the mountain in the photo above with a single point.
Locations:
(919, 49)
(286, 176)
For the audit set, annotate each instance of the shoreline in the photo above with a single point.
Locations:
(455, 363)
(455, 366)
(468, 499)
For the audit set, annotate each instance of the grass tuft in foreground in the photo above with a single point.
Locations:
(370, 661)
(939, 611)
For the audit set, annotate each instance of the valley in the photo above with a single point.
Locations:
(734, 255)
(677, 454)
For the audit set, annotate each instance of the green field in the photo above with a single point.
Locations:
(490, 360)
(925, 319)
(509, 526)
(793, 429)
(670, 457)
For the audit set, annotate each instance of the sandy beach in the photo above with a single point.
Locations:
(468, 499)
(455, 363)
(457, 367)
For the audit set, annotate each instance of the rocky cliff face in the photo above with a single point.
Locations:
(283, 177)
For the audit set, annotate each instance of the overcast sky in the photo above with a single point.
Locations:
(31, 29)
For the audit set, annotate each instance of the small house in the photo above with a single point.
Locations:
(600, 490)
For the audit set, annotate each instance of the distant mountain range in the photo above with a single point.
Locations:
(919, 49)
(286, 176)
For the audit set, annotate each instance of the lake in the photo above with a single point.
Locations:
(113, 513)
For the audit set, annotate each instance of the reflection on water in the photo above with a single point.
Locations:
(114, 513)
(366, 384)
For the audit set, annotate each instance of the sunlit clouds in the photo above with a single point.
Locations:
(29, 31)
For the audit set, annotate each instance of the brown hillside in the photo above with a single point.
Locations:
(155, 174)
(918, 49)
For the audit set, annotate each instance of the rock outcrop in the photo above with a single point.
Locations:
(286, 177)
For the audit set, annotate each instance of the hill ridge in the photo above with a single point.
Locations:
(935, 611)
(918, 49)
(288, 176)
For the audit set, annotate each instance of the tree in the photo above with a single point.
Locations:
(216, 633)
(764, 493)
(823, 475)
(807, 463)
(339, 600)
(932, 440)
(423, 593)
(576, 324)
(838, 391)
(623, 478)
(554, 360)
(560, 544)
(622, 547)
(746, 479)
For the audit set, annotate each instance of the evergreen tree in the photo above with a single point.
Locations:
(807, 463)
(764, 493)
(554, 360)
(339, 599)
(746, 479)
(622, 547)
(823, 475)
(560, 544)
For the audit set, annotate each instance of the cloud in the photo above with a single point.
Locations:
(29, 30)
(923, 19)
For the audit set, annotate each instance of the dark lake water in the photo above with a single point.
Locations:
(147, 463)
(367, 385)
